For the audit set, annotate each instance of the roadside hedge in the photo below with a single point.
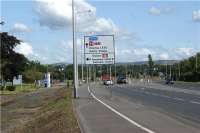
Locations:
(190, 76)
(11, 88)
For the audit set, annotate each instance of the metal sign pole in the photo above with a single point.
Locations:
(87, 74)
(114, 59)
(74, 52)
(110, 72)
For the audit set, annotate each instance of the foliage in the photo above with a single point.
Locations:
(31, 75)
(151, 65)
(12, 63)
(1, 88)
(11, 88)
(190, 68)
(69, 72)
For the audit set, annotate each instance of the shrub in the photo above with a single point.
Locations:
(11, 88)
(190, 76)
(2, 88)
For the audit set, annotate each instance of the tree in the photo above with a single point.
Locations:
(151, 64)
(12, 63)
(32, 74)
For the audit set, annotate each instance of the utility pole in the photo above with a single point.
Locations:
(196, 61)
(170, 72)
(179, 70)
(166, 71)
(87, 74)
(110, 73)
(82, 56)
(74, 53)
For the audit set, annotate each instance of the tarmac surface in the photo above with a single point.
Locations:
(137, 108)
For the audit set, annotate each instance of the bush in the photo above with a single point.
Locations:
(2, 88)
(11, 88)
(190, 76)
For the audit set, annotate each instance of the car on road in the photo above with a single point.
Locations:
(121, 80)
(169, 81)
(108, 82)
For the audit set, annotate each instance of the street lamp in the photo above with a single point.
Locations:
(75, 64)
(196, 61)
(74, 53)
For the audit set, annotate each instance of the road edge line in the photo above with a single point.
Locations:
(120, 114)
(78, 120)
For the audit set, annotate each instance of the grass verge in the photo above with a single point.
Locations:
(45, 110)
(19, 88)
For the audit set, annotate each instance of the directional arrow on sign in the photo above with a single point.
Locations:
(88, 59)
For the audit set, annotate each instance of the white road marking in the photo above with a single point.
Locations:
(173, 98)
(195, 102)
(120, 114)
(146, 92)
(154, 94)
(165, 96)
(178, 99)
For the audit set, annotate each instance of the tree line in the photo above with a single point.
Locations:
(13, 64)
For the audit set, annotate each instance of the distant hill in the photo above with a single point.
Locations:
(63, 64)
(159, 62)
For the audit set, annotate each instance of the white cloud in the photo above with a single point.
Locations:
(196, 16)
(101, 25)
(154, 11)
(159, 11)
(126, 51)
(168, 10)
(24, 48)
(164, 56)
(69, 45)
(19, 27)
(142, 51)
(27, 50)
(56, 15)
(131, 55)
(184, 51)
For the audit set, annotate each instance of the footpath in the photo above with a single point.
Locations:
(94, 117)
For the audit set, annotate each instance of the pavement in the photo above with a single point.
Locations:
(137, 108)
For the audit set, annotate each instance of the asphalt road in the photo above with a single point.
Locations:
(176, 104)
(137, 108)
(183, 85)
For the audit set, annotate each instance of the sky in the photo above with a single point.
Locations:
(164, 29)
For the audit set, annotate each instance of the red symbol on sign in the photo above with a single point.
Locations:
(86, 45)
(104, 55)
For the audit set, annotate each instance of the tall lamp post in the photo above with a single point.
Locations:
(196, 62)
(74, 53)
(75, 64)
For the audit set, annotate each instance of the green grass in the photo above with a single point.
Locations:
(57, 112)
(20, 88)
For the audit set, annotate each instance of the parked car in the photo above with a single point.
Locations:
(169, 81)
(108, 82)
(121, 80)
